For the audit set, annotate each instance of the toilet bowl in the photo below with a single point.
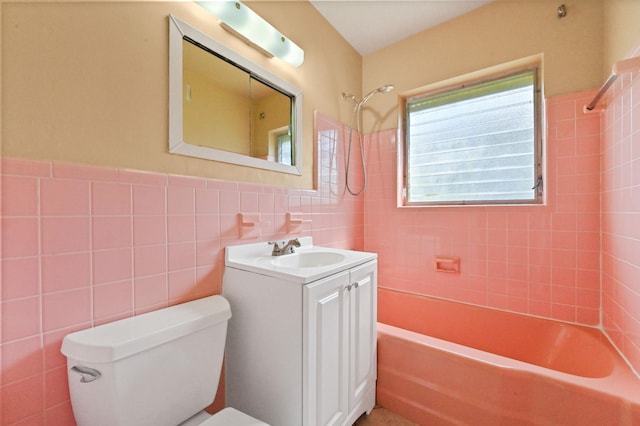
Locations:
(160, 368)
(227, 417)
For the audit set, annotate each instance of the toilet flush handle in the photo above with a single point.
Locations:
(88, 374)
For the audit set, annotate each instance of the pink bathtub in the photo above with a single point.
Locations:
(442, 362)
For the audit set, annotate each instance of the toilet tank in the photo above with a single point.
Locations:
(159, 368)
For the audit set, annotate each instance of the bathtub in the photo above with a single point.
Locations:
(443, 363)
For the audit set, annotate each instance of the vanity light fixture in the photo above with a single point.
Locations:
(250, 27)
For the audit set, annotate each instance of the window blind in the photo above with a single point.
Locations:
(475, 144)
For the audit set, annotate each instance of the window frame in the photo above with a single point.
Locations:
(460, 83)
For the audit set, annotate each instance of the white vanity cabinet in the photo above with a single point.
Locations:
(340, 346)
(302, 353)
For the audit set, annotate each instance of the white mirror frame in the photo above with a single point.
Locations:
(179, 29)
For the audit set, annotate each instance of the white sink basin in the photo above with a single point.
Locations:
(307, 264)
(309, 260)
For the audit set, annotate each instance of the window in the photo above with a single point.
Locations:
(475, 144)
(285, 153)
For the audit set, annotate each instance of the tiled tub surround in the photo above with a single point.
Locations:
(621, 217)
(82, 246)
(574, 259)
(539, 260)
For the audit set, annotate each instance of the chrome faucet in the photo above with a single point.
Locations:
(287, 248)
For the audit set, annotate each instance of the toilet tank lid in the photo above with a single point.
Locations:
(120, 339)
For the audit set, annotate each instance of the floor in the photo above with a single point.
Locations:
(382, 417)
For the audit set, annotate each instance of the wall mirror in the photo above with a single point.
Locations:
(226, 108)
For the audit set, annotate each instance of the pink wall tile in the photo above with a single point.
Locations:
(59, 415)
(207, 227)
(222, 185)
(65, 234)
(266, 202)
(25, 167)
(35, 420)
(149, 200)
(20, 318)
(209, 280)
(108, 198)
(564, 312)
(150, 290)
(182, 256)
(588, 241)
(112, 265)
(20, 277)
(149, 260)
(52, 344)
(22, 399)
(65, 272)
(182, 286)
(56, 387)
(142, 178)
(82, 172)
(186, 181)
(249, 202)
(229, 202)
(21, 359)
(588, 316)
(112, 299)
(180, 228)
(109, 232)
(149, 230)
(19, 196)
(180, 200)
(207, 201)
(19, 237)
(208, 252)
(64, 197)
(229, 227)
(65, 309)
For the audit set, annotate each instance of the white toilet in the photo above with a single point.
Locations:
(159, 368)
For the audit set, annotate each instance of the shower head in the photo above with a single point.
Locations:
(382, 89)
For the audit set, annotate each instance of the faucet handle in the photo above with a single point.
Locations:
(276, 248)
(294, 242)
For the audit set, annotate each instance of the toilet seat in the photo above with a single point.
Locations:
(232, 417)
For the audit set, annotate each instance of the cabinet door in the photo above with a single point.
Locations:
(363, 335)
(325, 359)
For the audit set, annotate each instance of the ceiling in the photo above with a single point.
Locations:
(369, 25)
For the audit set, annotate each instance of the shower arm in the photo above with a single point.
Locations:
(359, 103)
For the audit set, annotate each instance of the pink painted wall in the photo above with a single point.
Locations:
(82, 246)
(539, 260)
(621, 217)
